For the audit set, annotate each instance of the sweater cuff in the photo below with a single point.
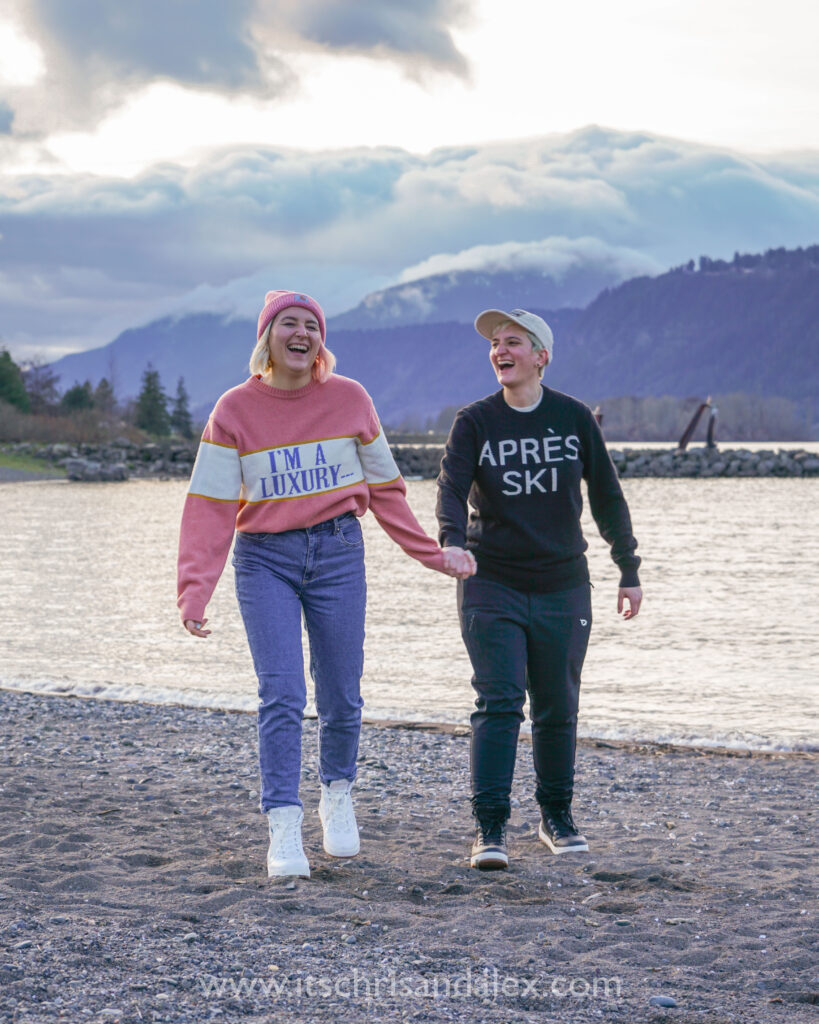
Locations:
(191, 611)
(629, 578)
(435, 561)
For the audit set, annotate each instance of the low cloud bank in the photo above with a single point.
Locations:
(83, 257)
(551, 256)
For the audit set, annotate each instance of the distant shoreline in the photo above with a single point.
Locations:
(173, 459)
(12, 475)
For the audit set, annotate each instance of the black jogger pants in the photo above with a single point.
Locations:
(519, 642)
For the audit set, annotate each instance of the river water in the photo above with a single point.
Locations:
(724, 652)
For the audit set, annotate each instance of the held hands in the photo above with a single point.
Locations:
(195, 628)
(634, 597)
(459, 563)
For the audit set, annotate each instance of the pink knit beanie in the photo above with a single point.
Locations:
(275, 302)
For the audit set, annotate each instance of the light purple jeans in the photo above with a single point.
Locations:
(317, 573)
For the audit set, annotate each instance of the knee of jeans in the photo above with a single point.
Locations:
(273, 699)
(554, 718)
(347, 719)
(510, 707)
(342, 710)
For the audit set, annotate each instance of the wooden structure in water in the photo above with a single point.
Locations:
(688, 433)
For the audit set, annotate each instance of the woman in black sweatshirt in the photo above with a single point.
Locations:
(517, 458)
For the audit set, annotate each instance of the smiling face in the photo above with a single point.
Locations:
(294, 341)
(515, 360)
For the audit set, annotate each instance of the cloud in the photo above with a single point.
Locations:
(82, 257)
(96, 54)
(553, 257)
(416, 34)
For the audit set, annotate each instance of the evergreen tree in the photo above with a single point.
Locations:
(41, 384)
(104, 398)
(12, 388)
(181, 421)
(77, 398)
(152, 404)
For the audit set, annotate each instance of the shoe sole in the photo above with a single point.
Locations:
(577, 848)
(489, 860)
(295, 872)
(342, 851)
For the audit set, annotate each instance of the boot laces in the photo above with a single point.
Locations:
(493, 830)
(288, 839)
(339, 810)
(562, 818)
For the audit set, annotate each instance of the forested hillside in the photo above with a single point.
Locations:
(747, 326)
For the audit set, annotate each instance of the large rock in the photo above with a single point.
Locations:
(91, 471)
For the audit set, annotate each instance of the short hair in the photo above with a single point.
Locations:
(261, 363)
(537, 344)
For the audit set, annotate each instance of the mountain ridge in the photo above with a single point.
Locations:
(747, 325)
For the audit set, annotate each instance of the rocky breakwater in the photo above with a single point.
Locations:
(424, 461)
(123, 459)
(712, 462)
(120, 459)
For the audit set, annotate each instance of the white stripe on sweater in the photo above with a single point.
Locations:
(217, 472)
(376, 458)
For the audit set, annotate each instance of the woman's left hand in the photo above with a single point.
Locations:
(459, 563)
(634, 596)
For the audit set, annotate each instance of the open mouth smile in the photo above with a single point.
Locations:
(298, 347)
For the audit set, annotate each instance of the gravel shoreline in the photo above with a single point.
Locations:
(11, 475)
(133, 887)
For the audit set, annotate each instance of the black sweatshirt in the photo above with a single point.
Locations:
(520, 472)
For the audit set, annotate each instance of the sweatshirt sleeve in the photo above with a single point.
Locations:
(388, 498)
(208, 520)
(608, 504)
(455, 481)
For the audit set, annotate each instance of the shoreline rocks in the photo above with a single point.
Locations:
(424, 461)
(116, 460)
(173, 459)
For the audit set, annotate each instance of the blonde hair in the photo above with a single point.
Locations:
(261, 364)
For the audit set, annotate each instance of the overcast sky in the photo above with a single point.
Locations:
(181, 154)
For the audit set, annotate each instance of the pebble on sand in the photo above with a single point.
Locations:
(666, 1001)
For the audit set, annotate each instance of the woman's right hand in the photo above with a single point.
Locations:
(459, 563)
(194, 627)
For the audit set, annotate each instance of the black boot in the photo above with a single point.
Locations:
(558, 830)
(489, 849)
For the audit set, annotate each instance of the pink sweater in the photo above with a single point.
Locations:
(273, 460)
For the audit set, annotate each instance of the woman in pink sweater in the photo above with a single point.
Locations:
(288, 462)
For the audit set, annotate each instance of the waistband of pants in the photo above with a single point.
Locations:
(327, 526)
(330, 525)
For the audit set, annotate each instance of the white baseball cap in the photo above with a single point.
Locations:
(486, 324)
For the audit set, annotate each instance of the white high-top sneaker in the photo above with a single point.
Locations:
(285, 855)
(338, 818)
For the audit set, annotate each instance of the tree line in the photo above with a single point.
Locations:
(771, 259)
(31, 404)
(740, 417)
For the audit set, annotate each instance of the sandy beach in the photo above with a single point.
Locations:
(133, 886)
